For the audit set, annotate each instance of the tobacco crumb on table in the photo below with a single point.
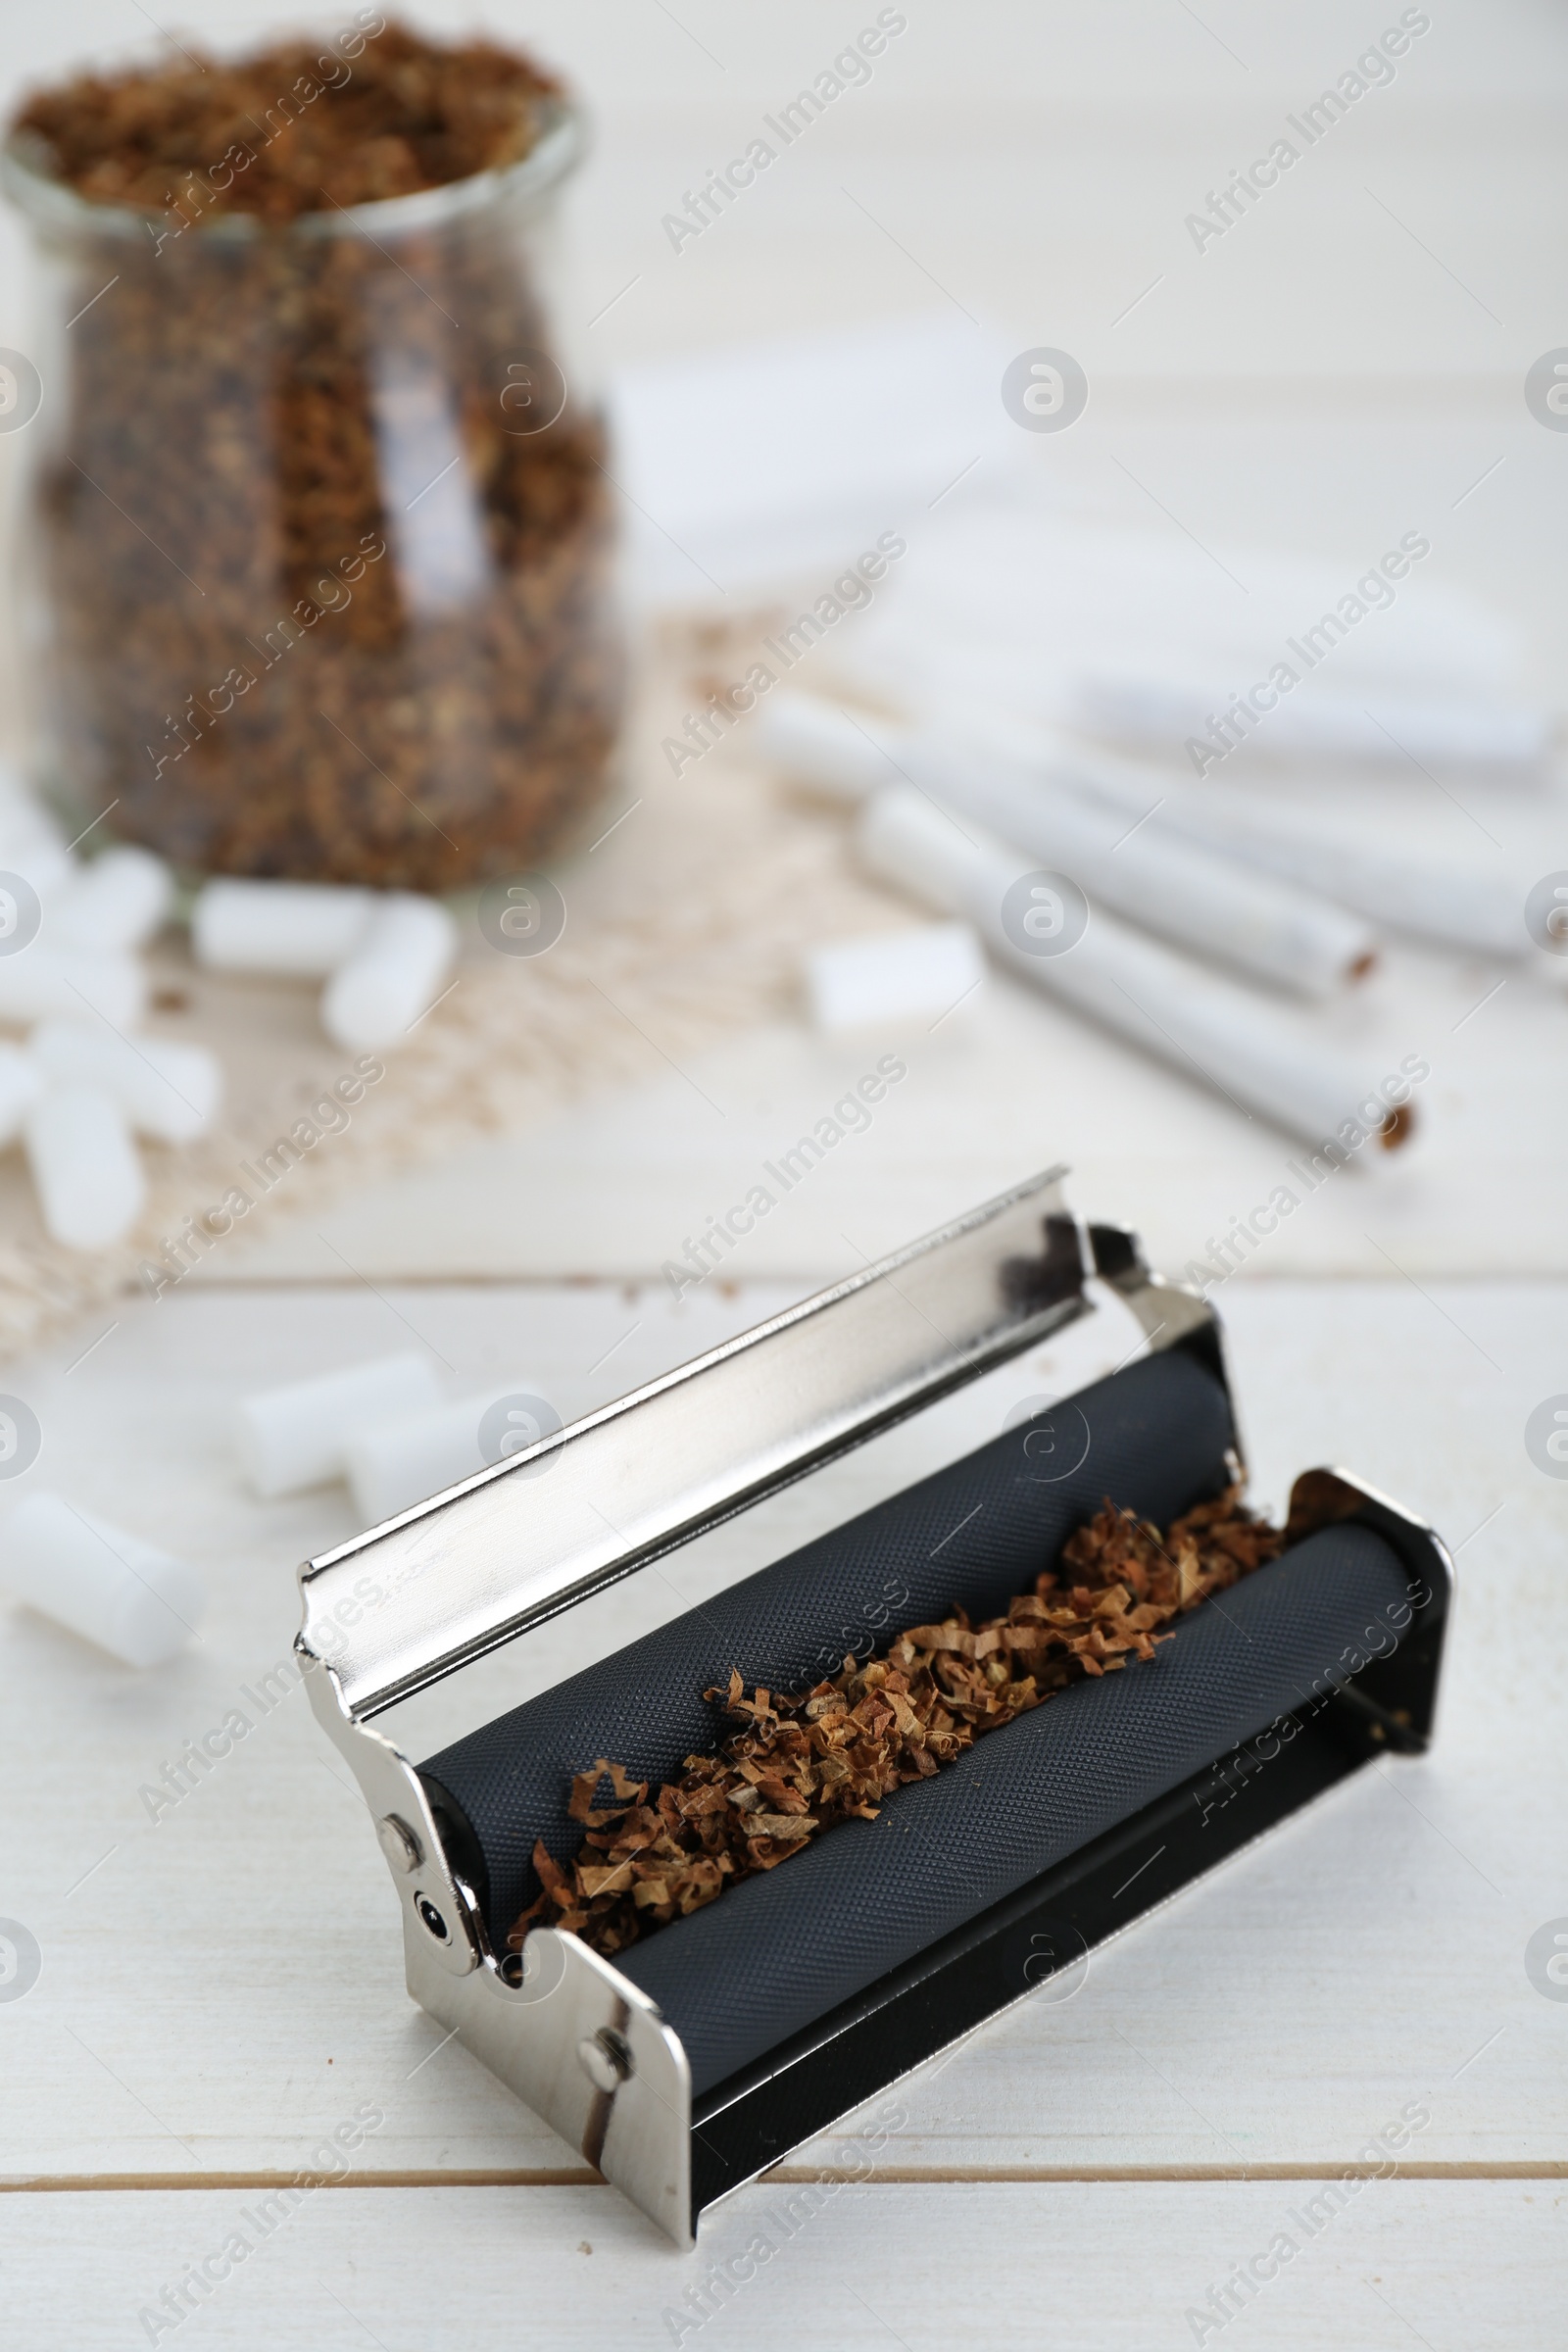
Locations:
(319, 607)
(803, 1763)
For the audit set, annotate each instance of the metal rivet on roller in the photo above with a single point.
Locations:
(432, 1919)
(605, 2059)
(398, 1842)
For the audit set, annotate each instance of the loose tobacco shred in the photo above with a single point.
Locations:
(293, 130)
(801, 1764)
(269, 649)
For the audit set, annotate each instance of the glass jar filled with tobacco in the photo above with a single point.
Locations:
(320, 530)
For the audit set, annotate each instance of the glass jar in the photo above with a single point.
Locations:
(323, 531)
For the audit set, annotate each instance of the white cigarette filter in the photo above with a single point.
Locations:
(166, 1089)
(1291, 938)
(394, 974)
(1256, 1054)
(295, 1437)
(31, 844)
(109, 1587)
(394, 1464)
(41, 979)
(893, 976)
(19, 1088)
(84, 1166)
(293, 930)
(116, 903)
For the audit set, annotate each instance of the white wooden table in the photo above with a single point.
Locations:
(220, 1988)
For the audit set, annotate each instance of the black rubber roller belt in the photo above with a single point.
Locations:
(777, 1951)
(973, 1534)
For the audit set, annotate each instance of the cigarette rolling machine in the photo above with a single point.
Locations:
(709, 2048)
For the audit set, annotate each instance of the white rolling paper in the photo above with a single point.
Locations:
(765, 463)
(1253, 1053)
(393, 975)
(166, 1089)
(1009, 604)
(1291, 938)
(110, 1587)
(85, 1167)
(294, 930)
(294, 1437)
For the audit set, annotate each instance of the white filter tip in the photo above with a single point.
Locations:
(906, 977)
(100, 1581)
(295, 1437)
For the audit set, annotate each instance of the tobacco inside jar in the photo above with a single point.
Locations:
(321, 513)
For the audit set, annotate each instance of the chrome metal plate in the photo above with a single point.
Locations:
(511, 1547)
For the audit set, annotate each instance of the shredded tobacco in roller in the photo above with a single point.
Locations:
(801, 1764)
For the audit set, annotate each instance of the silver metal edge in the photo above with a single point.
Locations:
(527, 2034)
(1419, 1547)
(637, 2133)
(502, 1551)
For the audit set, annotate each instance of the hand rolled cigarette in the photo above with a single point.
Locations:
(293, 930)
(109, 1587)
(166, 1089)
(393, 975)
(1291, 938)
(818, 744)
(1438, 730)
(84, 1166)
(116, 903)
(1458, 906)
(1042, 927)
(394, 1464)
(294, 1437)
